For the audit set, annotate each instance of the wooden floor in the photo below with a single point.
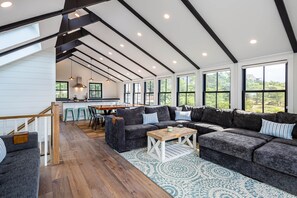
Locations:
(90, 168)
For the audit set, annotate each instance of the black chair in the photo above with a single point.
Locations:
(90, 115)
(96, 118)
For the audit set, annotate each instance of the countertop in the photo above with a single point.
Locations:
(89, 101)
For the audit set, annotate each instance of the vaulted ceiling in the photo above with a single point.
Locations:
(109, 32)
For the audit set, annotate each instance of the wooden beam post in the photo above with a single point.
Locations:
(56, 135)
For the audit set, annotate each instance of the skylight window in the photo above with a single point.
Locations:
(17, 36)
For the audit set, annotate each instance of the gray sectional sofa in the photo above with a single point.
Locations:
(229, 138)
(19, 171)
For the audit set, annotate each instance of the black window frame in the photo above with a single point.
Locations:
(184, 92)
(263, 91)
(63, 99)
(136, 93)
(100, 91)
(165, 93)
(127, 93)
(149, 94)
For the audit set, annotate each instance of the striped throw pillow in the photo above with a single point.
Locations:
(2, 150)
(150, 118)
(183, 115)
(277, 129)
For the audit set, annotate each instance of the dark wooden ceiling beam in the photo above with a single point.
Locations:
(287, 23)
(64, 56)
(63, 39)
(91, 69)
(135, 13)
(119, 64)
(97, 38)
(89, 63)
(28, 44)
(103, 64)
(73, 5)
(67, 46)
(131, 42)
(208, 29)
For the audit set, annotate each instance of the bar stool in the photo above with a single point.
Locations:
(71, 110)
(81, 110)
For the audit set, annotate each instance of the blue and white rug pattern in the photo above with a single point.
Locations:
(191, 176)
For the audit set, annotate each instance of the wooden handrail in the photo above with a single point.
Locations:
(26, 116)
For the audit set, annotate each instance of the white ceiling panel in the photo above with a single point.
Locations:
(237, 22)
(113, 39)
(182, 29)
(125, 22)
(291, 6)
(102, 48)
(21, 10)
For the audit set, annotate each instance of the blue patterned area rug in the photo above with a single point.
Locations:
(191, 176)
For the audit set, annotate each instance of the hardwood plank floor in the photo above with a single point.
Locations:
(90, 168)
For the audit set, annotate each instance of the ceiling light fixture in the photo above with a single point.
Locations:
(91, 79)
(253, 41)
(122, 45)
(154, 67)
(174, 62)
(204, 54)
(71, 78)
(139, 34)
(64, 52)
(76, 14)
(101, 58)
(6, 4)
(166, 16)
(109, 53)
(139, 70)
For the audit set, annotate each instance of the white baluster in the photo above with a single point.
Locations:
(26, 124)
(15, 126)
(36, 125)
(45, 141)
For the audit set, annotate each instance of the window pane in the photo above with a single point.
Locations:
(92, 94)
(165, 99)
(275, 77)
(211, 82)
(253, 102)
(183, 84)
(64, 86)
(58, 86)
(210, 99)
(274, 102)
(254, 78)
(223, 101)
(181, 99)
(224, 79)
(191, 99)
(191, 83)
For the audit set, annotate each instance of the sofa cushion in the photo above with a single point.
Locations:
(196, 112)
(204, 128)
(138, 131)
(278, 156)
(289, 118)
(282, 130)
(183, 115)
(162, 111)
(131, 116)
(217, 116)
(165, 124)
(251, 121)
(240, 146)
(249, 133)
(172, 111)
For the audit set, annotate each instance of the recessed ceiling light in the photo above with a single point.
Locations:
(204, 54)
(166, 16)
(64, 34)
(6, 4)
(174, 62)
(139, 71)
(76, 14)
(109, 53)
(128, 74)
(101, 58)
(122, 45)
(139, 34)
(154, 67)
(253, 41)
(64, 52)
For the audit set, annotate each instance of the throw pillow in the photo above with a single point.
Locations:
(183, 115)
(150, 118)
(277, 129)
(2, 150)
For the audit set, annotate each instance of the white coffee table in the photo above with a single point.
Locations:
(156, 143)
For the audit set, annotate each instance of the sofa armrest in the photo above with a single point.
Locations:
(11, 147)
(115, 133)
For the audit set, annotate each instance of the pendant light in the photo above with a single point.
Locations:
(108, 75)
(91, 79)
(71, 78)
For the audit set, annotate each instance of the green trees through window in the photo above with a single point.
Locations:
(95, 90)
(165, 91)
(62, 90)
(217, 89)
(149, 92)
(264, 88)
(127, 93)
(136, 93)
(186, 90)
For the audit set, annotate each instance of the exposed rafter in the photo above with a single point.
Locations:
(208, 29)
(103, 64)
(135, 13)
(131, 42)
(91, 69)
(287, 23)
(28, 44)
(72, 5)
(67, 46)
(63, 39)
(96, 67)
(119, 64)
(97, 38)
(65, 55)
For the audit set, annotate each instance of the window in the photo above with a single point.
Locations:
(95, 90)
(136, 93)
(165, 91)
(216, 91)
(186, 90)
(264, 88)
(62, 92)
(149, 92)
(127, 93)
